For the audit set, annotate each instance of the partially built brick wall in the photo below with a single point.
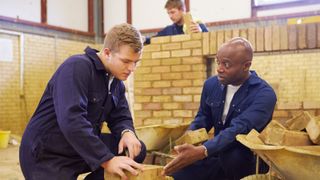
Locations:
(168, 84)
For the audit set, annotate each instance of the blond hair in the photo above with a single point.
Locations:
(123, 34)
(179, 4)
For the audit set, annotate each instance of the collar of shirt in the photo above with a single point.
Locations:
(92, 53)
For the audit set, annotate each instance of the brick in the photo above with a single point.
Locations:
(181, 53)
(160, 40)
(171, 46)
(205, 43)
(191, 44)
(162, 54)
(276, 134)
(162, 113)
(198, 67)
(280, 114)
(283, 37)
(150, 62)
(149, 172)
(196, 98)
(152, 121)
(220, 38)
(235, 33)
(182, 98)
(260, 39)
(171, 76)
(227, 34)
(196, 52)
(157, 84)
(141, 99)
(146, 55)
(311, 104)
(171, 61)
(268, 38)
(302, 38)
(289, 105)
(138, 122)
(318, 35)
(311, 36)
(182, 113)
(198, 82)
(172, 121)
(196, 36)
(137, 106)
(193, 137)
(181, 83)
(147, 77)
(193, 75)
(192, 90)
(252, 37)
(161, 99)
(151, 48)
(292, 34)
(180, 68)
(243, 33)
(213, 42)
(298, 122)
(161, 69)
(182, 37)
(151, 106)
(143, 70)
(171, 106)
(191, 105)
(142, 114)
(142, 84)
(192, 60)
(313, 129)
(275, 38)
(170, 91)
(148, 91)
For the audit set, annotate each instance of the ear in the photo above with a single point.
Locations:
(107, 52)
(247, 66)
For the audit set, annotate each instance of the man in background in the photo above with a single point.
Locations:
(233, 102)
(176, 9)
(63, 138)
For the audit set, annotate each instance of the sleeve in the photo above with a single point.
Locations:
(203, 118)
(164, 32)
(120, 117)
(70, 100)
(256, 116)
(203, 27)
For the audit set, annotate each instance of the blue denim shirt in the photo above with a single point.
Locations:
(174, 29)
(68, 119)
(251, 108)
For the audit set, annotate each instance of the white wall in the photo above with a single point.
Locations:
(71, 14)
(26, 10)
(114, 12)
(148, 14)
(314, 7)
(220, 10)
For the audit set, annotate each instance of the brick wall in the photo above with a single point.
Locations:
(42, 57)
(168, 83)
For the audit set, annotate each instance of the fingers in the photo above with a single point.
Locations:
(172, 167)
(122, 174)
(134, 150)
(120, 147)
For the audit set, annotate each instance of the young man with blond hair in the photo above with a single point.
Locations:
(63, 138)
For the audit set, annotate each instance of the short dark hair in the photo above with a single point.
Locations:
(179, 4)
(123, 34)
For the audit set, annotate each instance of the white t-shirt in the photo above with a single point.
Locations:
(231, 90)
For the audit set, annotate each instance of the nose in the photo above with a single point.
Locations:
(220, 68)
(132, 67)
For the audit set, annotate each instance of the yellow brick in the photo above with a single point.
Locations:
(147, 77)
(170, 91)
(181, 53)
(162, 113)
(140, 99)
(151, 106)
(171, 106)
(171, 46)
(151, 48)
(160, 40)
(191, 106)
(193, 60)
(199, 67)
(162, 54)
(142, 84)
(152, 121)
(172, 120)
(171, 76)
(196, 52)
(191, 44)
(156, 84)
(182, 37)
(149, 91)
(150, 62)
(146, 55)
(182, 113)
(171, 61)
(161, 69)
(289, 105)
(180, 68)
(137, 106)
(181, 83)
(205, 43)
(161, 98)
(196, 98)
(143, 70)
(196, 36)
(194, 75)
(182, 98)
(192, 90)
(142, 114)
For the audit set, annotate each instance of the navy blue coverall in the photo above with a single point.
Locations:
(63, 138)
(174, 29)
(251, 108)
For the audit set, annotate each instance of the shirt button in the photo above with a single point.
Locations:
(94, 99)
(233, 105)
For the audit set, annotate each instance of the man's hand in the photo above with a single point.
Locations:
(187, 154)
(130, 141)
(117, 164)
(195, 27)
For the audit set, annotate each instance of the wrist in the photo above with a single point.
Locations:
(127, 131)
(205, 152)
